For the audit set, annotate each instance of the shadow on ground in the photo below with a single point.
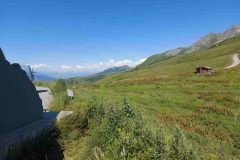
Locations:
(40, 91)
(43, 147)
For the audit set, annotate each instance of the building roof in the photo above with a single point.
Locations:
(206, 67)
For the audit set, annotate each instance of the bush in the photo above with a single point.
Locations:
(122, 133)
(178, 147)
(60, 86)
(59, 92)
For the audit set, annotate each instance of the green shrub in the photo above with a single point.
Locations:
(60, 86)
(59, 92)
(179, 150)
(121, 132)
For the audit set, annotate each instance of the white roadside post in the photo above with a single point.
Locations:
(70, 93)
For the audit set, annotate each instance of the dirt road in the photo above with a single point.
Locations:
(236, 61)
(44, 94)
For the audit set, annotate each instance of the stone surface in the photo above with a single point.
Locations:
(30, 130)
(45, 95)
(19, 102)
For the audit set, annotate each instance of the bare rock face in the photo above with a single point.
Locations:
(230, 33)
(173, 52)
(213, 38)
(19, 101)
(204, 42)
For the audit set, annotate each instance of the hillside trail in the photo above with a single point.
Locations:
(236, 61)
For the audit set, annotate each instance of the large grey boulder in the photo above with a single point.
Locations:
(19, 101)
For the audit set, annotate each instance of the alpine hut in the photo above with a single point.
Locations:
(204, 70)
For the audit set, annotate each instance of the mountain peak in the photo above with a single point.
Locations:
(235, 26)
(231, 32)
(203, 43)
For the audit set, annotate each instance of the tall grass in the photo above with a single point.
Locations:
(120, 132)
(114, 131)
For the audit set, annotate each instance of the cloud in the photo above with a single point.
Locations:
(65, 67)
(142, 60)
(87, 68)
(105, 65)
(39, 66)
(79, 66)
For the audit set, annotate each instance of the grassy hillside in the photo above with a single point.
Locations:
(85, 79)
(204, 43)
(162, 95)
(116, 69)
(153, 59)
(169, 93)
(96, 77)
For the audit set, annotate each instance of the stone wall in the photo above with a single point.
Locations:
(19, 101)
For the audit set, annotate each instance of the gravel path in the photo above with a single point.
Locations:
(236, 61)
(45, 95)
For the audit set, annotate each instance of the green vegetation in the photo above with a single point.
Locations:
(96, 77)
(153, 59)
(44, 84)
(174, 114)
(229, 41)
(100, 129)
(169, 92)
(204, 43)
(85, 80)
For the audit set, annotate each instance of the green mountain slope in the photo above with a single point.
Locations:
(217, 57)
(96, 77)
(116, 69)
(85, 79)
(169, 93)
(203, 43)
(153, 59)
(166, 94)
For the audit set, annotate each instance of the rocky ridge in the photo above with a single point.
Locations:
(203, 43)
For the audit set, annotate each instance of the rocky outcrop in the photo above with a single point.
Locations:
(231, 32)
(213, 38)
(19, 102)
(172, 52)
(205, 42)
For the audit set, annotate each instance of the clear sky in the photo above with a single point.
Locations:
(79, 35)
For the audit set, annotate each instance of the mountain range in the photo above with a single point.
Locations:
(116, 69)
(98, 76)
(203, 43)
(41, 77)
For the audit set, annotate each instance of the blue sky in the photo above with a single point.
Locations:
(60, 35)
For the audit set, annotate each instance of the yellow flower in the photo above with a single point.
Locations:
(213, 156)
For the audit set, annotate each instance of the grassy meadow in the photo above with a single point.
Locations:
(159, 111)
